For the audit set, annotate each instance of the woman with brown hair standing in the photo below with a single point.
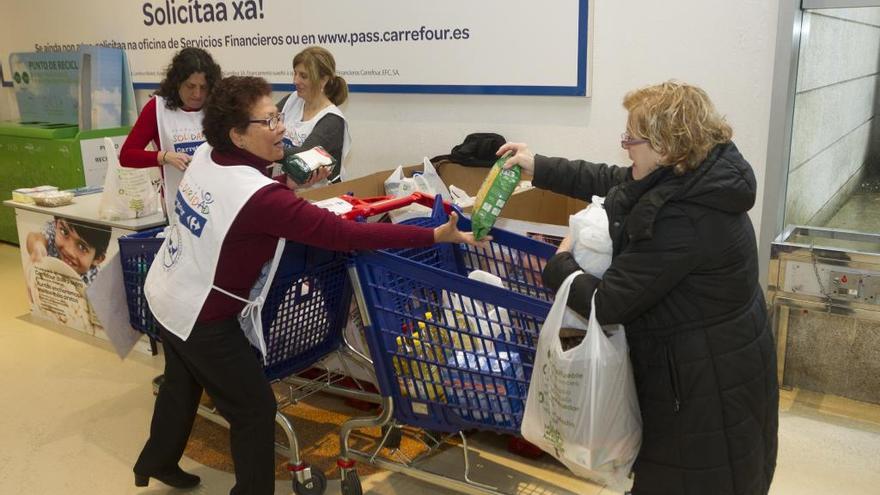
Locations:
(311, 113)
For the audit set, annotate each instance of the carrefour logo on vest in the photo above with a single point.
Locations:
(188, 217)
(189, 148)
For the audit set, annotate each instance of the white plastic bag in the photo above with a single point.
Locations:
(591, 242)
(128, 192)
(428, 182)
(582, 406)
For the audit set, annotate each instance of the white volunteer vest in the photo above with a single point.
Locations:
(181, 132)
(182, 274)
(296, 131)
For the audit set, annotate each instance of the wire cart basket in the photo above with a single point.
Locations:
(451, 353)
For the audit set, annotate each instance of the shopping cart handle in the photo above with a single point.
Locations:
(367, 207)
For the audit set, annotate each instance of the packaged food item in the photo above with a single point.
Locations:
(25, 194)
(53, 198)
(418, 379)
(488, 386)
(493, 195)
(477, 325)
(436, 339)
(300, 166)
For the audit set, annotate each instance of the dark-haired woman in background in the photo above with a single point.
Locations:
(172, 119)
(311, 115)
(203, 274)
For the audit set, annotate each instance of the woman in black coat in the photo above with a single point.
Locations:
(684, 282)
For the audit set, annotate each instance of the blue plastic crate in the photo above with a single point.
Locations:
(306, 309)
(516, 259)
(303, 316)
(454, 353)
(136, 252)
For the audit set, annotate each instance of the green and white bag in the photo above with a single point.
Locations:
(582, 406)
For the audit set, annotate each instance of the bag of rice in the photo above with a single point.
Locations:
(492, 196)
(300, 166)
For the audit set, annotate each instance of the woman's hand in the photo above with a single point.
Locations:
(522, 156)
(177, 160)
(448, 232)
(565, 245)
(317, 176)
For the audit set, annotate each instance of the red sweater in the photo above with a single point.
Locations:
(145, 131)
(275, 211)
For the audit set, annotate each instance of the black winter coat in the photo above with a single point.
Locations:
(684, 282)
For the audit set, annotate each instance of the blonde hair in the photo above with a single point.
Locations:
(678, 120)
(318, 63)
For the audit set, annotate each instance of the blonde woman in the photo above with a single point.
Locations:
(684, 282)
(311, 113)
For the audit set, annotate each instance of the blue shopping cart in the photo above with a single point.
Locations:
(303, 317)
(451, 353)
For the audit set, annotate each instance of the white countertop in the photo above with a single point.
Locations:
(85, 208)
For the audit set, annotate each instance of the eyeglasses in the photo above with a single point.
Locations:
(272, 122)
(626, 140)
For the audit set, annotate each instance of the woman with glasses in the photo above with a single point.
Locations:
(227, 224)
(171, 121)
(684, 282)
(311, 113)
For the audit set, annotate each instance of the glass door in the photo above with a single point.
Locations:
(833, 176)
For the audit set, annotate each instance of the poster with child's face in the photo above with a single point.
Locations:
(60, 258)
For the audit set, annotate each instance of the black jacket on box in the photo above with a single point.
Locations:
(684, 282)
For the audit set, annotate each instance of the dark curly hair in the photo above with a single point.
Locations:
(185, 63)
(229, 107)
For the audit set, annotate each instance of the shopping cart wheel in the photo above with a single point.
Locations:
(351, 484)
(316, 485)
(394, 437)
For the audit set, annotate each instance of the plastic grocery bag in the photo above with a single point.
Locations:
(582, 406)
(591, 242)
(128, 192)
(428, 182)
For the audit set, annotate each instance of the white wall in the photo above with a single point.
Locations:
(725, 47)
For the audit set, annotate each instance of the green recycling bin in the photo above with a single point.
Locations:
(39, 153)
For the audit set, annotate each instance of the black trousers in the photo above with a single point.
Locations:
(217, 357)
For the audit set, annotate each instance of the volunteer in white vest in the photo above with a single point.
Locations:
(171, 121)
(311, 115)
(229, 220)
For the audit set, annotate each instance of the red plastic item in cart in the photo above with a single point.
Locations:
(368, 207)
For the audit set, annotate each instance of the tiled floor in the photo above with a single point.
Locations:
(73, 418)
(861, 212)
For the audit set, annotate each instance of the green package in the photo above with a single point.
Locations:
(493, 195)
(300, 166)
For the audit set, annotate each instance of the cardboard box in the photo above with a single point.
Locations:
(534, 205)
